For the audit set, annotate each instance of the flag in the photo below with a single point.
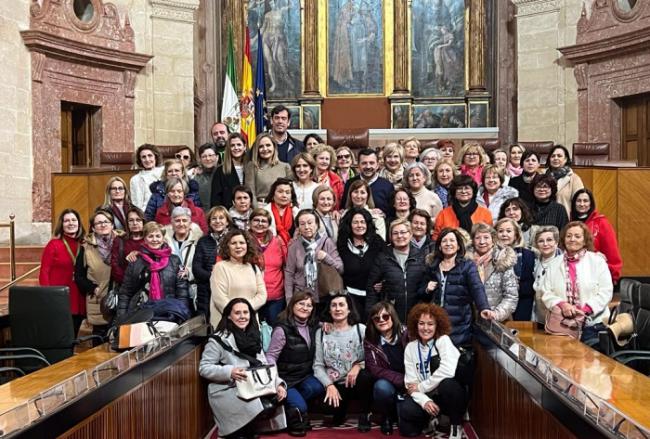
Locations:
(230, 106)
(247, 102)
(260, 88)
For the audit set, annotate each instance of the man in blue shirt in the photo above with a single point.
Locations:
(369, 171)
(288, 147)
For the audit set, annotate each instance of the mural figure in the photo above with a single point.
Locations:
(439, 116)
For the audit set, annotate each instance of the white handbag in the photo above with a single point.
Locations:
(260, 381)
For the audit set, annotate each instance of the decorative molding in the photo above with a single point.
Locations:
(175, 10)
(536, 7)
(400, 49)
(581, 74)
(310, 20)
(613, 46)
(38, 65)
(129, 83)
(477, 46)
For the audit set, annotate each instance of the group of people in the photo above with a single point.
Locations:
(415, 239)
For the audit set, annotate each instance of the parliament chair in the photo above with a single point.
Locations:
(541, 147)
(639, 357)
(117, 161)
(588, 154)
(488, 145)
(169, 151)
(354, 138)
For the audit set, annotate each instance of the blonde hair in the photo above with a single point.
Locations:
(170, 162)
(519, 239)
(318, 150)
(151, 227)
(107, 192)
(394, 148)
(471, 147)
(255, 152)
(408, 140)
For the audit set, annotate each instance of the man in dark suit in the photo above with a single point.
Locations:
(369, 171)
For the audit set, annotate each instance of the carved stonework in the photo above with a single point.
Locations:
(38, 64)
(129, 83)
(175, 10)
(580, 72)
(535, 7)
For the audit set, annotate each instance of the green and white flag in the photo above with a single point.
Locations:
(230, 113)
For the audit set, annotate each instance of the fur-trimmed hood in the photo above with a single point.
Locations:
(503, 258)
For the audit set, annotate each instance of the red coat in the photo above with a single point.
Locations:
(447, 218)
(118, 261)
(274, 257)
(605, 242)
(164, 215)
(337, 185)
(57, 269)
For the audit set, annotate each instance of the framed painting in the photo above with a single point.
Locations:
(310, 117)
(355, 47)
(479, 113)
(295, 117)
(279, 22)
(439, 116)
(438, 48)
(400, 115)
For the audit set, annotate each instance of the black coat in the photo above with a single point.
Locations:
(357, 268)
(524, 269)
(296, 359)
(403, 290)
(137, 278)
(222, 186)
(550, 214)
(205, 257)
(525, 190)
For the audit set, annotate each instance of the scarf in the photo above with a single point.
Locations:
(218, 237)
(311, 267)
(248, 341)
(464, 214)
(558, 173)
(358, 250)
(572, 288)
(104, 246)
(481, 263)
(514, 171)
(118, 213)
(476, 173)
(156, 264)
(326, 221)
(283, 223)
(240, 220)
(528, 177)
(394, 177)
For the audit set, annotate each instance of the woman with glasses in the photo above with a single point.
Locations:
(204, 173)
(117, 201)
(383, 349)
(292, 350)
(231, 172)
(149, 160)
(442, 177)
(93, 268)
(173, 169)
(393, 169)
(273, 252)
(325, 158)
(546, 210)
(472, 160)
(186, 155)
(493, 192)
(205, 256)
(430, 158)
(127, 247)
(265, 167)
(303, 166)
(463, 210)
(345, 163)
(176, 190)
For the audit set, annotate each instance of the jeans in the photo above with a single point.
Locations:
(590, 333)
(384, 397)
(301, 393)
(269, 312)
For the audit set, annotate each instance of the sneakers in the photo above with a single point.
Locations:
(456, 432)
(364, 423)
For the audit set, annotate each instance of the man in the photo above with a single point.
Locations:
(288, 147)
(369, 171)
(209, 159)
(219, 134)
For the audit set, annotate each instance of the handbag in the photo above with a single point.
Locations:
(328, 280)
(557, 324)
(108, 304)
(135, 334)
(265, 331)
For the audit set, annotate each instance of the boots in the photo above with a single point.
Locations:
(364, 423)
(456, 432)
(306, 425)
(295, 426)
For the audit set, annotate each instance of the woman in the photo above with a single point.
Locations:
(306, 253)
(517, 210)
(186, 155)
(496, 269)
(398, 273)
(472, 160)
(292, 349)
(117, 201)
(303, 166)
(493, 192)
(273, 252)
(93, 268)
(126, 248)
(236, 346)
(265, 167)
(182, 236)
(59, 258)
(205, 256)
(339, 361)
(176, 190)
(236, 274)
(546, 210)
(311, 141)
(240, 212)
(463, 210)
(447, 149)
(154, 272)
(583, 208)
(281, 203)
(568, 182)
(393, 169)
(173, 169)
(231, 172)
(383, 349)
(149, 159)
(523, 182)
(547, 239)
(499, 158)
(416, 180)
(430, 157)
(345, 163)
(421, 227)
(411, 147)
(359, 195)
(454, 284)
(358, 245)
(402, 203)
(325, 157)
(444, 174)
(579, 282)
(430, 361)
(514, 168)
(325, 200)
(509, 235)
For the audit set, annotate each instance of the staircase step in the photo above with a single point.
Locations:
(29, 282)
(21, 268)
(23, 253)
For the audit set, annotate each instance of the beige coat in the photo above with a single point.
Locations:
(566, 187)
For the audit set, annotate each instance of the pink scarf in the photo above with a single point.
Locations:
(475, 173)
(572, 290)
(514, 171)
(162, 254)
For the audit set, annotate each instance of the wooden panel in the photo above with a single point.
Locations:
(605, 189)
(356, 113)
(634, 214)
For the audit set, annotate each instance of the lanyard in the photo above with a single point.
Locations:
(424, 366)
(67, 247)
(443, 287)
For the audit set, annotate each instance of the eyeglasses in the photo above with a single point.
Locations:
(542, 186)
(343, 156)
(259, 221)
(471, 153)
(183, 156)
(399, 232)
(118, 189)
(102, 223)
(305, 305)
(381, 318)
(135, 220)
(464, 189)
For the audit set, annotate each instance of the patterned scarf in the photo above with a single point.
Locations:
(283, 223)
(104, 246)
(482, 263)
(357, 250)
(558, 173)
(311, 267)
(394, 177)
(158, 262)
(572, 287)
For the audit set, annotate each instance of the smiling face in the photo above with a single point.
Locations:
(583, 203)
(383, 322)
(154, 239)
(449, 245)
(359, 197)
(482, 242)
(237, 148)
(240, 315)
(117, 191)
(176, 194)
(419, 227)
(444, 174)
(513, 212)
(209, 158)
(148, 159)
(558, 158)
(392, 162)
(464, 194)
(492, 182)
(402, 202)
(430, 160)
(310, 144)
(181, 225)
(280, 122)
(359, 226)
(447, 152)
(343, 159)
(574, 240)
(260, 225)
(242, 202)
(237, 248)
(174, 170)
(325, 202)
(506, 233)
(368, 165)
(339, 309)
(302, 309)
(265, 148)
(416, 179)
(426, 328)
(542, 192)
(307, 226)
(400, 237)
(303, 171)
(323, 161)
(102, 225)
(218, 222)
(546, 244)
(411, 151)
(515, 155)
(472, 158)
(70, 224)
(531, 164)
(501, 159)
(282, 195)
(185, 155)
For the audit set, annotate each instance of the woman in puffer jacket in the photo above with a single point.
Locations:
(496, 269)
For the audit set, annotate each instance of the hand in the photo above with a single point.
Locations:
(321, 255)
(378, 287)
(410, 388)
(351, 378)
(183, 273)
(431, 408)
(336, 215)
(487, 314)
(281, 393)
(378, 212)
(327, 327)
(568, 310)
(332, 396)
(238, 374)
(431, 286)
(133, 256)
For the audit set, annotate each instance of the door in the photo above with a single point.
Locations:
(77, 140)
(636, 129)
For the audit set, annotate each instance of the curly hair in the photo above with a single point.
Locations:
(148, 147)
(345, 227)
(437, 251)
(544, 179)
(443, 326)
(252, 253)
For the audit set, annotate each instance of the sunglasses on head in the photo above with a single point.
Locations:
(381, 318)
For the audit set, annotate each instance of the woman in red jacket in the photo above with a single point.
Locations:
(127, 247)
(58, 261)
(583, 208)
(176, 189)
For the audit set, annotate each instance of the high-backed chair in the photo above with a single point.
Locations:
(353, 138)
(488, 145)
(117, 161)
(639, 358)
(541, 147)
(587, 154)
(169, 151)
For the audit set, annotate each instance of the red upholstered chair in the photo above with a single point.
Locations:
(117, 161)
(541, 147)
(353, 138)
(587, 154)
(488, 145)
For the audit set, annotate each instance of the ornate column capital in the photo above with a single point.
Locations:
(175, 10)
(536, 7)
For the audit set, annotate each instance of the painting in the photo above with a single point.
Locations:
(355, 47)
(478, 114)
(310, 117)
(401, 115)
(439, 116)
(438, 48)
(279, 22)
(295, 113)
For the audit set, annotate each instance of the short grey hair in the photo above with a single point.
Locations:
(422, 167)
(181, 211)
